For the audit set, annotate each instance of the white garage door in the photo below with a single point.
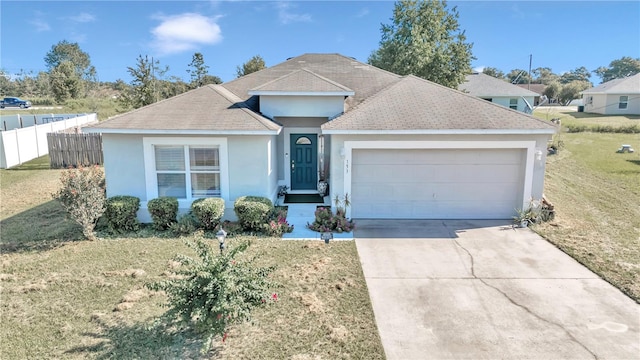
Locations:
(437, 183)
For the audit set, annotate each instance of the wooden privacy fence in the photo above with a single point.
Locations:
(74, 149)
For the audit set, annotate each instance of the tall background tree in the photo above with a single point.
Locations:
(424, 39)
(145, 87)
(618, 69)
(63, 57)
(200, 73)
(254, 64)
(491, 71)
(543, 75)
(518, 76)
(578, 74)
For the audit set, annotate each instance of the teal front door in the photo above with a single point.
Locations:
(304, 162)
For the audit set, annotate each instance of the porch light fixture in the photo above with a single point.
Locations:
(342, 152)
(221, 235)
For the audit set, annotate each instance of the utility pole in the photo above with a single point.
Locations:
(529, 82)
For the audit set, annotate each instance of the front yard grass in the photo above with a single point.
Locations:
(82, 299)
(596, 192)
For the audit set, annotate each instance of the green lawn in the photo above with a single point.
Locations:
(64, 297)
(596, 192)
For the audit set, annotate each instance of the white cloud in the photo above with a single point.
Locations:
(479, 69)
(40, 25)
(184, 32)
(362, 13)
(286, 16)
(83, 18)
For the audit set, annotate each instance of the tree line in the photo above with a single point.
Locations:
(70, 75)
(423, 39)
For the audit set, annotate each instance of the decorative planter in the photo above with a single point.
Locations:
(322, 188)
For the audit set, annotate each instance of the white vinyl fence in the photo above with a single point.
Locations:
(21, 145)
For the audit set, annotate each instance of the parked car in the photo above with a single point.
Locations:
(14, 102)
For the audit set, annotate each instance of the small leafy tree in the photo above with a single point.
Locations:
(211, 292)
(82, 195)
(254, 64)
(495, 72)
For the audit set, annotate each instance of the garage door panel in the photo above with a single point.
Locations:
(448, 184)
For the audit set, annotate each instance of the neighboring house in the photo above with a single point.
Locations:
(400, 146)
(498, 91)
(539, 90)
(615, 97)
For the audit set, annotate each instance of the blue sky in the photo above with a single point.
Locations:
(560, 35)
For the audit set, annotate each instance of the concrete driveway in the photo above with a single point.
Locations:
(483, 290)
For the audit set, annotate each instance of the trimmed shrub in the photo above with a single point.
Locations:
(208, 211)
(253, 211)
(82, 194)
(164, 211)
(121, 213)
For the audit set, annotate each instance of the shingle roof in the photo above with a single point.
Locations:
(536, 88)
(628, 85)
(208, 108)
(482, 85)
(381, 101)
(302, 81)
(364, 79)
(417, 104)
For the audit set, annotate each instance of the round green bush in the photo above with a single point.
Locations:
(253, 211)
(164, 211)
(121, 213)
(208, 211)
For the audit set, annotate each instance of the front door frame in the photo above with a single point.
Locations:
(288, 131)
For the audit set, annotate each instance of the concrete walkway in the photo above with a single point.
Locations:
(299, 215)
(484, 290)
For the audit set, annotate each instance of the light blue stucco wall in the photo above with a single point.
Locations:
(252, 168)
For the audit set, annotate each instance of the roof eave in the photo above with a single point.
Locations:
(549, 131)
(301, 93)
(180, 132)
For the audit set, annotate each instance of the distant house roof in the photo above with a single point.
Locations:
(414, 104)
(375, 100)
(628, 85)
(536, 88)
(482, 85)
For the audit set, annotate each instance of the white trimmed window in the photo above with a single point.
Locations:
(513, 104)
(187, 169)
(624, 101)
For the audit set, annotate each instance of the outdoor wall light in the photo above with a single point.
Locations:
(539, 155)
(342, 152)
(221, 235)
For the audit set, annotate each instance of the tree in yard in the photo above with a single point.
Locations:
(491, 71)
(572, 91)
(65, 82)
(579, 74)
(518, 76)
(552, 90)
(254, 64)
(618, 69)
(424, 39)
(144, 89)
